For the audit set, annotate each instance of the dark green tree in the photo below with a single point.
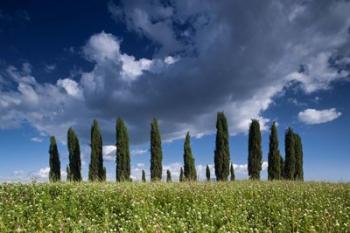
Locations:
(181, 177)
(222, 150)
(189, 164)
(74, 166)
(168, 176)
(123, 153)
(69, 178)
(282, 167)
(298, 148)
(207, 173)
(289, 166)
(143, 176)
(254, 150)
(274, 163)
(96, 170)
(156, 152)
(55, 164)
(232, 172)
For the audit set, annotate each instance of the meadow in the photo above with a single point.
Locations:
(240, 206)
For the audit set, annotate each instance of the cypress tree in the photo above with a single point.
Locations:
(68, 174)
(222, 150)
(299, 174)
(232, 171)
(290, 155)
(254, 150)
(274, 166)
(55, 164)
(168, 176)
(74, 156)
(96, 170)
(207, 173)
(156, 152)
(282, 167)
(189, 164)
(143, 176)
(181, 177)
(123, 153)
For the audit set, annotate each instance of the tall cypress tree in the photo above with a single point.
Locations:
(232, 172)
(143, 176)
(282, 168)
(168, 176)
(181, 177)
(298, 148)
(123, 153)
(68, 174)
(96, 170)
(274, 166)
(189, 165)
(74, 166)
(55, 164)
(254, 150)
(222, 150)
(289, 167)
(207, 173)
(156, 152)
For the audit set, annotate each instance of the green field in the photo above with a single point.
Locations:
(241, 206)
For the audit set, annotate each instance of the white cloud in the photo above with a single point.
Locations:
(109, 152)
(104, 49)
(138, 152)
(170, 60)
(36, 139)
(70, 86)
(313, 116)
(102, 46)
(43, 173)
(318, 73)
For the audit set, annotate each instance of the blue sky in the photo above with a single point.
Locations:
(65, 64)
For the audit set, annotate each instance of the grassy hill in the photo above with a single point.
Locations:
(242, 206)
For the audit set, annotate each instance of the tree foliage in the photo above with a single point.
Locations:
(168, 176)
(254, 150)
(207, 173)
(289, 166)
(222, 150)
(298, 148)
(143, 176)
(189, 164)
(181, 177)
(122, 152)
(156, 152)
(96, 170)
(55, 164)
(74, 167)
(282, 168)
(274, 163)
(232, 172)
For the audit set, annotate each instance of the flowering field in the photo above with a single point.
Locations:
(242, 206)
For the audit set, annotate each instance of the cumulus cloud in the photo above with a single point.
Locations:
(312, 116)
(209, 57)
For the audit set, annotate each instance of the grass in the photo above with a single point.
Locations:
(242, 206)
